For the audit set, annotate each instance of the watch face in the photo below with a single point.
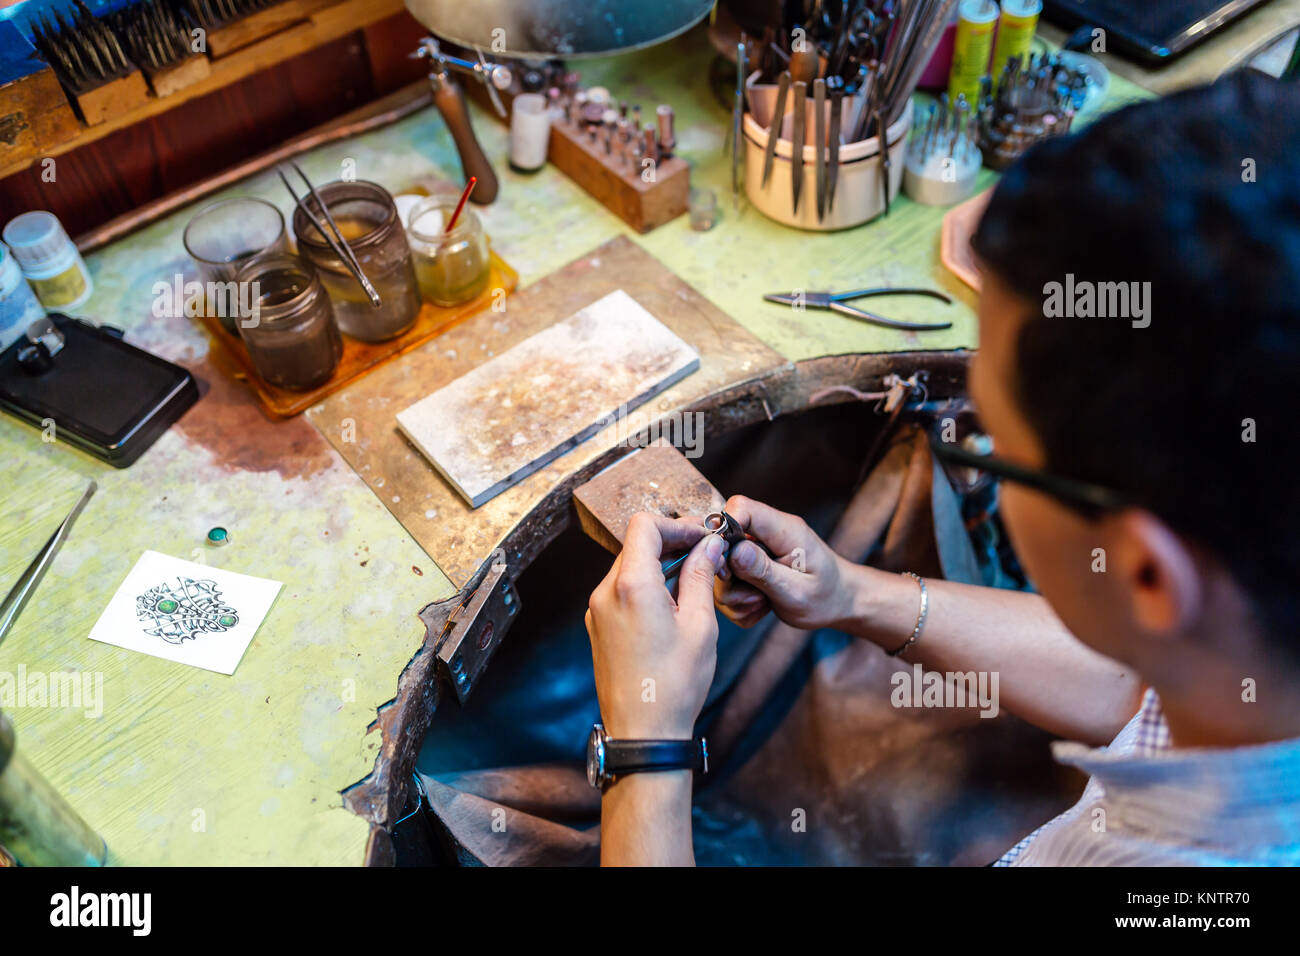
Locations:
(596, 757)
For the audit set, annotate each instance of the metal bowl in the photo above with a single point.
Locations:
(531, 28)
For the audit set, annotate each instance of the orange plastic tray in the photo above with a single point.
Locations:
(358, 357)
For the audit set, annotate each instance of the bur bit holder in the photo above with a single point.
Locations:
(450, 101)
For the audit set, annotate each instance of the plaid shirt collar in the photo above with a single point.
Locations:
(1240, 803)
(1222, 799)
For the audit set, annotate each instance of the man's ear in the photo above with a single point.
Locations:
(1160, 571)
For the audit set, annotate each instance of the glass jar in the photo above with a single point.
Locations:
(291, 337)
(224, 235)
(368, 220)
(451, 267)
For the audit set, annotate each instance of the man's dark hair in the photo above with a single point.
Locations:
(1197, 193)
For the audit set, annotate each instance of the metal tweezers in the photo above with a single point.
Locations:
(834, 301)
(339, 245)
(26, 585)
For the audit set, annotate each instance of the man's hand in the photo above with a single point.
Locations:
(804, 582)
(654, 657)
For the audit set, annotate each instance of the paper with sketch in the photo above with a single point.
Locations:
(186, 612)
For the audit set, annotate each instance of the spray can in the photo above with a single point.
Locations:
(1016, 30)
(972, 45)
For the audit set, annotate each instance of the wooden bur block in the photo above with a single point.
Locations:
(247, 30)
(114, 98)
(177, 76)
(608, 177)
(642, 205)
(657, 478)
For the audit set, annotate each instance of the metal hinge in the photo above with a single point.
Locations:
(475, 629)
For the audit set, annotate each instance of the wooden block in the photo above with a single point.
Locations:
(187, 72)
(17, 134)
(614, 183)
(256, 26)
(496, 425)
(114, 98)
(657, 478)
(642, 205)
(34, 115)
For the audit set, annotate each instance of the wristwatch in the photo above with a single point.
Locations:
(607, 759)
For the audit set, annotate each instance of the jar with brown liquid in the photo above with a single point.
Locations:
(292, 337)
(368, 220)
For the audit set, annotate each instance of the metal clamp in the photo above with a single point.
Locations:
(475, 629)
(494, 76)
(899, 390)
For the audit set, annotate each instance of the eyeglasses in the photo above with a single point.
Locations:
(1089, 499)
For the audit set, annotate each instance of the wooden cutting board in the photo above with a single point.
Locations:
(361, 420)
(496, 425)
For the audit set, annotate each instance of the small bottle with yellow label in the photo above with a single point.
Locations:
(49, 260)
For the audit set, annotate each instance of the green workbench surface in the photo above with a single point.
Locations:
(184, 766)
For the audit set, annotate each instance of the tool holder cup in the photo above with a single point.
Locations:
(858, 194)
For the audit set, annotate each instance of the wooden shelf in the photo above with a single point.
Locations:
(317, 27)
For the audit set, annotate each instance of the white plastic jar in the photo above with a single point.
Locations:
(49, 260)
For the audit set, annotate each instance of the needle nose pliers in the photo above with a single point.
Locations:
(835, 302)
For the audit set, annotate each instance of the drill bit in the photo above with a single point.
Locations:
(153, 33)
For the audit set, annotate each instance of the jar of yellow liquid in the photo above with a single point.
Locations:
(451, 267)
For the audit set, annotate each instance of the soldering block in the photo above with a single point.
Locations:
(497, 424)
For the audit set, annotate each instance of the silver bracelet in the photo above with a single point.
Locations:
(920, 617)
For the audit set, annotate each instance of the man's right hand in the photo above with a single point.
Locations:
(804, 581)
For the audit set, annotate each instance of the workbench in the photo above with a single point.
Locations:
(190, 767)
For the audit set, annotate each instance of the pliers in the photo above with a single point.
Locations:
(834, 301)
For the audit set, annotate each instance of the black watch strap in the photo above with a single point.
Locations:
(638, 756)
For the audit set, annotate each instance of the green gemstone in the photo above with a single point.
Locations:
(226, 620)
(166, 605)
(218, 536)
